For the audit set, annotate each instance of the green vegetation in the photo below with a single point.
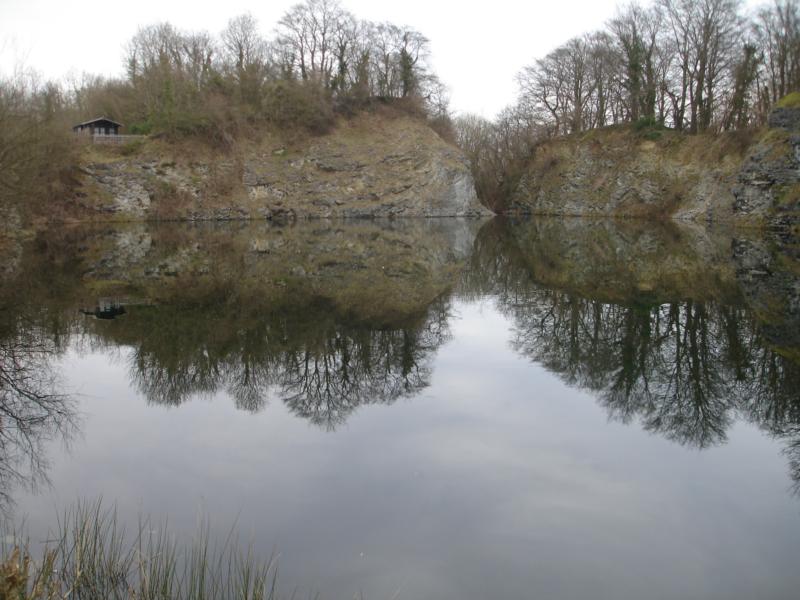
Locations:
(789, 101)
(90, 556)
(649, 128)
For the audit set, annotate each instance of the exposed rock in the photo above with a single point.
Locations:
(768, 187)
(695, 178)
(785, 118)
(126, 193)
(368, 167)
(616, 173)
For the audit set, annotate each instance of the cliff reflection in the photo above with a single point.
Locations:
(322, 316)
(682, 329)
(685, 361)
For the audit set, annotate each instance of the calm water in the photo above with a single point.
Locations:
(422, 409)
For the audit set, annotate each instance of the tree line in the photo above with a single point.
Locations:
(691, 65)
(318, 61)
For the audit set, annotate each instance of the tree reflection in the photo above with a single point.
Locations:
(32, 409)
(322, 364)
(362, 366)
(683, 368)
(684, 346)
(665, 366)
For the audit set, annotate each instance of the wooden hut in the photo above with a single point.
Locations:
(99, 126)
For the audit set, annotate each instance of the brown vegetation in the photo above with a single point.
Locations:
(691, 66)
(319, 63)
(37, 152)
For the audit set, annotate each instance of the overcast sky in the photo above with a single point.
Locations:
(477, 47)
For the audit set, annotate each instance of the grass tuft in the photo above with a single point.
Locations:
(91, 557)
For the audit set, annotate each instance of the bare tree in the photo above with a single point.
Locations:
(311, 30)
(635, 30)
(245, 57)
(242, 44)
(777, 35)
(705, 35)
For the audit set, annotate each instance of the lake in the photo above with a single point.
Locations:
(421, 408)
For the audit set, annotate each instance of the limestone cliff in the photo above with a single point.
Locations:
(751, 177)
(768, 187)
(617, 172)
(369, 166)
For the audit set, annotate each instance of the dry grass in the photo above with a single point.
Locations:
(91, 557)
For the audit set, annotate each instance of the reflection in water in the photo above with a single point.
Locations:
(322, 366)
(326, 381)
(681, 329)
(106, 309)
(681, 368)
(32, 410)
(685, 368)
(323, 316)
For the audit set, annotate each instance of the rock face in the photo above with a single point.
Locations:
(126, 195)
(616, 172)
(724, 177)
(785, 118)
(768, 187)
(370, 166)
(373, 169)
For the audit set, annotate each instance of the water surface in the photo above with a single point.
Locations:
(421, 409)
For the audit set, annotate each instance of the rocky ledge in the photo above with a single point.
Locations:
(370, 166)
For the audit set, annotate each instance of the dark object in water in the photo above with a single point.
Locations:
(105, 310)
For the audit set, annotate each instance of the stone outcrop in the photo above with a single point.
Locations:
(722, 177)
(617, 172)
(369, 166)
(785, 117)
(768, 187)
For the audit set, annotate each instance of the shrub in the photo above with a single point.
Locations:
(131, 148)
(645, 123)
(443, 126)
(37, 148)
(292, 104)
(142, 128)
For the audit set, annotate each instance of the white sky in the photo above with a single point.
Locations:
(477, 47)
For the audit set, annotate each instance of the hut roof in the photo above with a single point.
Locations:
(99, 120)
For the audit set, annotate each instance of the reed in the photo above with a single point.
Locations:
(91, 557)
